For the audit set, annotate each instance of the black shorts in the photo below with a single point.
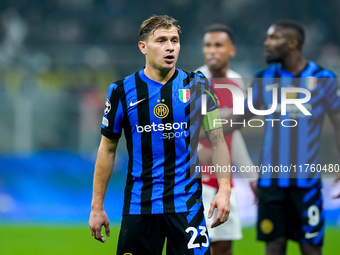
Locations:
(293, 213)
(186, 233)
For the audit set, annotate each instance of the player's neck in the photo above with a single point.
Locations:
(219, 73)
(160, 76)
(295, 64)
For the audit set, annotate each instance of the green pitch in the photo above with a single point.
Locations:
(44, 240)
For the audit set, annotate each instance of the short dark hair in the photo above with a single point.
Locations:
(154, 22)
(217, 27)
(299, 31)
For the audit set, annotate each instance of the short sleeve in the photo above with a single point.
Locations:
(113, 114)
(208, 89)
(332, 95)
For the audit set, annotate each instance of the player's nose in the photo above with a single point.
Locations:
(169, 46)
(266, 42)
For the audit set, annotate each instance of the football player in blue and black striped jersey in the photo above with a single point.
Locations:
(297, 94)
(160, 109)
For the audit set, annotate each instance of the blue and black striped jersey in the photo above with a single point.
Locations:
(161, 125)
(291, 141)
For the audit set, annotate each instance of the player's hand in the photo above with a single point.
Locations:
(221, 201)
(335, 182)
(97, 220)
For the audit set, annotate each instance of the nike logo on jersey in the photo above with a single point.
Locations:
(133, 104)
(311, 235)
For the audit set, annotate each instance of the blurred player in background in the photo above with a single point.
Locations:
(336, 181)
(290, 202)
(218, 48)
(163, 197)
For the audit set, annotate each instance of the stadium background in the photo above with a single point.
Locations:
(57, 59)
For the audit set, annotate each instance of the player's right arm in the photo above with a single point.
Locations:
(332, 104)
(335, 119)
(336, 180)
(102, 174)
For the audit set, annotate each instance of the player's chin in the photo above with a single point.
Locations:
(214, 67)
(269, 57)
(169, 66)
(270, 60)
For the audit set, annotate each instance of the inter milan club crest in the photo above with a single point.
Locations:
(184, 95)
(161, 110)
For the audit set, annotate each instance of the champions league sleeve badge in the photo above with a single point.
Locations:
(107, 106)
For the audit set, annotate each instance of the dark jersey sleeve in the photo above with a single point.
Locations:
(113, 114)
(332, 95)
(207, 88)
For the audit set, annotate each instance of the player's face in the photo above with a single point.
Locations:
(217, 49)
(276, 44)
(161, 48)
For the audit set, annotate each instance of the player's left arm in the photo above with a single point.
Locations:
(335, 119)
(221, 160)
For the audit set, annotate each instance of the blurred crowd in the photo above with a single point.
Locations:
(58, 57)
(49, 34)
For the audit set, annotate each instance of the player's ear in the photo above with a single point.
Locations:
(293, 43)
(232, 51)
(142, 47)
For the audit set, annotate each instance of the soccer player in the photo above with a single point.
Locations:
(337, 179)
(290, 201)
(159, 108)
(218, 48)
